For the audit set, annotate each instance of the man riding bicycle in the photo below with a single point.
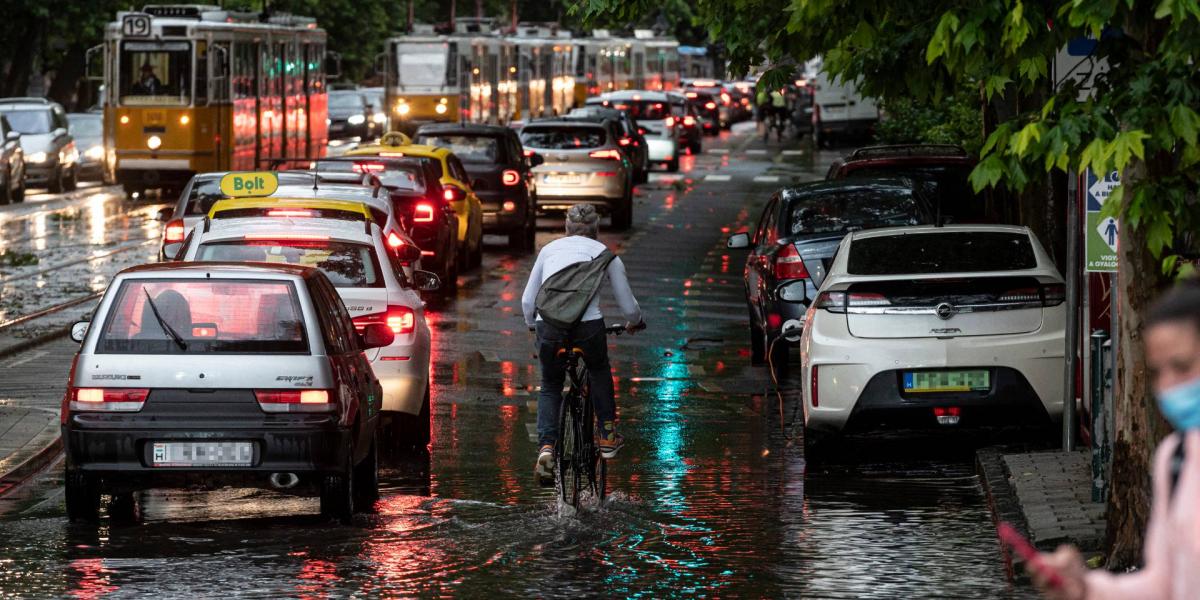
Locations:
(578, 246)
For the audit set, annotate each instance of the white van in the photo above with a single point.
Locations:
(839, 111)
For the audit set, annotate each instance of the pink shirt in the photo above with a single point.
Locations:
(1172, 547)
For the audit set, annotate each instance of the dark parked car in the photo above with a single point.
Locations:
(88, 131)
(351, 116)
(12, 164)
(797, 236)
(633, 143)
(940, 170)
(418, 201)
(501, 175)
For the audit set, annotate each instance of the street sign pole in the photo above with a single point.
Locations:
(1074, 238)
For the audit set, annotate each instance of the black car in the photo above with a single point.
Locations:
(350, 115)
(419, 204)
(88, 131)
(633, 143)
(500, 175)
(797, 236)
(708, 109)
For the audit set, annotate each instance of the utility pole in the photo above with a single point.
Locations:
(479, 9)
(452, 15)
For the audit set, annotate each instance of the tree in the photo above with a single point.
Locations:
(1141, 120)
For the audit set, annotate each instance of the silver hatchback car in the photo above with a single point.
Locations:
(584, 163)
(218, 374)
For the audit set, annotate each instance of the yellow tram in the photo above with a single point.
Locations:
(195, 88)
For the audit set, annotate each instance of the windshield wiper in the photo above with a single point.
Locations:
(178, 339)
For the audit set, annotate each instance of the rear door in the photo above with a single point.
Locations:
(758, 274)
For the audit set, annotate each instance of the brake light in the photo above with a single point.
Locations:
(423, 213)
(689, 121)
(293, 236)
(1047, 295)
(690, 94)
(813, 396)
(289, 212)
(450, 194)
(528, 153)
(108, 399)
(509, 206)
(625, 141)
(1054, 294)
(400, 319)
(834, 302)
(510, 177)
(710, 105)
(394, 241)
(294, 400)
(1021, 295)
(368, 167)
(609, 154)
(725, 98)
(789, 265)
(863, 300)
(174, 232)
(669, 122)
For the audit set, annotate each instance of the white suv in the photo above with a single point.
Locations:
(372, 283)
(934, 326)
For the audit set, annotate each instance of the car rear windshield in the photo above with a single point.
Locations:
(563, 137)
(944, 185)
(346, 101)
(643, 109)
(86, 126)
(194, 316)
(941, 252)
(850, 209)
(345, 263)
(468, 148)
(205, 191)
(391, 173)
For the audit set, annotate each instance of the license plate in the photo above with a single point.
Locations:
(566, 178)
(202, 454)
(947, 381)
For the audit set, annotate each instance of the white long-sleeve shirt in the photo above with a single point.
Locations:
(566, 251)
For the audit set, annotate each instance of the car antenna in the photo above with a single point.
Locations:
(315, 178)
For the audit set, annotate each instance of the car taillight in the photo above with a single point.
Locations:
(423, 213)
(813, 396)
(289, 212)
(400, 319)
(669, 122)
(528, 153)
(689, 121)
(725, 98)
(368, 168)
(294, 400)
(394, 241)
(450, 194)
(174, 233)
(838, 302)
(608, 154)
(510, 177)
(789, 265)
(625, 141)
(1029, 294)
(642, 130)
(710, 105)
(1054, 294)
(108, 399)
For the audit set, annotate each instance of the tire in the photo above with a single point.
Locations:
(6, 192)
(124, 507)
(814, 447)
(410, 433)
(522, 240)
(758, 352)
(82, 496)
(18, 196)
(450, 280)
(566, 477)
(622, 216)
(366, 478)
(337, 493)
(56, 183)
(72, 182)
(477, 255)
(673, 165)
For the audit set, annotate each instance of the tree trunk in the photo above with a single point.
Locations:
(1139, 427)
(66, 78)
(22, 62)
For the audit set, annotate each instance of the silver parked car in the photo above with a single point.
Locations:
(584, 163)
(51, 159)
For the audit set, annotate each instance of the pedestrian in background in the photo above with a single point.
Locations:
(1171, 554)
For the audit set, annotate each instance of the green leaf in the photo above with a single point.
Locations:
(1127, 144)
(939, 44)
(995, 83)
(1184, 123)
(1094, 155)
(1028, 134)
(1159, 234)
(987, 173)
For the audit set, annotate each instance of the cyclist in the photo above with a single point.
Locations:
(778, 111)
(579, 245)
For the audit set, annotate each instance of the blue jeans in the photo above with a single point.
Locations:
(588, 336)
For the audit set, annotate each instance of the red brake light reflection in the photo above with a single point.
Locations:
(450, 194)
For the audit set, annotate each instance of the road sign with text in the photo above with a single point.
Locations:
(1100, 232)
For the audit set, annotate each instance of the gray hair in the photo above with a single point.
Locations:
(582, 219)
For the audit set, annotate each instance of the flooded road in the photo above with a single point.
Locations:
(711, 495)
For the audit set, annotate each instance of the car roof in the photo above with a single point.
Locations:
(211, 175)
(916, 229)
(417, 150)
(816, 188)
(84, 115)
(26, 102)
(467, 128)
(651, 95)
(228, 229)
(203, 270)
(565, 121)
(276, 202)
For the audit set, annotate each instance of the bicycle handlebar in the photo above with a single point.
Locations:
(615, 328)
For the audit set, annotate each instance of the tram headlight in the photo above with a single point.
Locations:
(440, 109)
(403, 108)
(379, 118)
(357, 119)
(153, 142)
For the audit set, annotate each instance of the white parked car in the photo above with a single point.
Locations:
(371, 280)
(934, 326)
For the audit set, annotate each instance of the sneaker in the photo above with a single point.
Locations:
(609, 441)
(544, 469)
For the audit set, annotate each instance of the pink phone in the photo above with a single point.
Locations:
(1013, 538)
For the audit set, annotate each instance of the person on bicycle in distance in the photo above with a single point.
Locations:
(579, 245)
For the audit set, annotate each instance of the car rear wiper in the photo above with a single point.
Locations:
(178, 339)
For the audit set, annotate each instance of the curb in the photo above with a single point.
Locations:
(32, 465)
(33, 342)
(1004, 506)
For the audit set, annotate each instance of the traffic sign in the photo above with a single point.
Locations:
(250, 184)
(1100, 232)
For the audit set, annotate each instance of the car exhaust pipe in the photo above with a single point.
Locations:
(283, 481)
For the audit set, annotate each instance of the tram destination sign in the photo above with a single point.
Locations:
(135, 25)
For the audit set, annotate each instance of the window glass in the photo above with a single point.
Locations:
(346, 101)
(469, 148)
(206, 315)
(30, 121)
(421, 64)
(563, 137)
(156, 73)
(941, 252)
(327, 316)
(850, 209)
(205, 191)
(345, 264)
(86, 126)
(391, 173)
(643, 109)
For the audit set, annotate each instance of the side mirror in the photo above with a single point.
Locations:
(13, 136)
(794, 291)
(738, 241)
(59, 132)
(376, 335)
(164, 214)
(536, 160)
(172, 252)
(79, 331)
(426, 281)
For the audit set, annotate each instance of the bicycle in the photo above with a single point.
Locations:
(774, 120)
(578, 464)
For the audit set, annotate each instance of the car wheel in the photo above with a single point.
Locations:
(673, 165)
(124, 507)
(758, 352)
(6, 192)
(477, 254)
(82, 496)
(814, 447)
(522, 240)
(337, 492)
(410, 433)
(72, 182)
(622, 216)
(18, 195)
(366, 477)
(450, 279)
(55, 186)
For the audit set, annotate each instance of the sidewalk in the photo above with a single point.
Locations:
(29, 440)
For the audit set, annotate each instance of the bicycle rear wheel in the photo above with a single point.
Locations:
(567, 450)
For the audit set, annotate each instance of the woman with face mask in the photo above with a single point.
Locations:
(1172, 545)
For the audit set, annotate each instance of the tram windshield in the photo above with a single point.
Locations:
(421, 64)
(156, 73)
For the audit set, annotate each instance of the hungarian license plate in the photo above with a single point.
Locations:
(567, 178)
(947, 381)
(202, 454)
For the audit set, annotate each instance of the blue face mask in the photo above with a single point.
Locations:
(1181, 405)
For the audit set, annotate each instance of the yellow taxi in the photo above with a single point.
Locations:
(286, 207)
(455, 188)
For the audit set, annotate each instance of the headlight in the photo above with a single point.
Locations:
(440, 109)
(95, 153)
(38, 157)
(403, 109)
(379, 117)
(356, 119)
(153, 142)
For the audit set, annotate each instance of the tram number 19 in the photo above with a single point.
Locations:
(137, 25)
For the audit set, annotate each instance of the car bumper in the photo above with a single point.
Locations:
(403, 371)
(498, 220)
(609, 188)
(658, 150)
(562, 204)
(858, 380)
(39, 174)
(91, 170)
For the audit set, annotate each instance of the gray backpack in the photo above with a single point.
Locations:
(565, 295)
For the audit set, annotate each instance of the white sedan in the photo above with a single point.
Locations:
(951, 326)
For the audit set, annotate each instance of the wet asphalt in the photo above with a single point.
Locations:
(711, 495)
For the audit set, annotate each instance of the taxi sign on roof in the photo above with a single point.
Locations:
(251, 184)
